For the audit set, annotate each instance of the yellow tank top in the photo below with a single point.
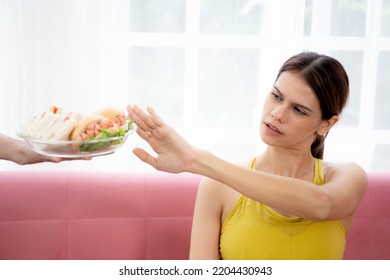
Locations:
(254, 231)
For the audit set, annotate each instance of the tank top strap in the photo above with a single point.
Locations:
(253, 164)
(318, 172)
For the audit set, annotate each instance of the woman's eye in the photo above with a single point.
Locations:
(299, 110)
(276, 96)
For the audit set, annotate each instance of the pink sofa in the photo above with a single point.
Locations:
(95, 215)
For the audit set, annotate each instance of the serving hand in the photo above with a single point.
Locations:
(20, 152)
(174, 153)
(25, 155)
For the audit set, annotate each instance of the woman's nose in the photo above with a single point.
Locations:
(279, 113)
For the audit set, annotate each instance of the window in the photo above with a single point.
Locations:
(204, 65)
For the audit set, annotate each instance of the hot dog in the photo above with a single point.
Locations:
(107, 122)
(114, 114)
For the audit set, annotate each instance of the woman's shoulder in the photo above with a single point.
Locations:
(350, 170)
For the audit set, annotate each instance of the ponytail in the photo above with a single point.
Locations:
(317, 147)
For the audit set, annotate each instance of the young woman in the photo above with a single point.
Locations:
(285, 203)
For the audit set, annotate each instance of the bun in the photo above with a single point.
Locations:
(115, 114)
(110, 112)
(79, 132)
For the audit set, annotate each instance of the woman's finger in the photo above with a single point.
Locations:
(145, 157)
(143, 134)
(135, 115)
(156, 118)
(146, 119)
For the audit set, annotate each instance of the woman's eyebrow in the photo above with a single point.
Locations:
(296, 104)
(278, 91)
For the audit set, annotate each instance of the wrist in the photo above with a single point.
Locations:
(200, 163)
(10, 148)
(17, 152)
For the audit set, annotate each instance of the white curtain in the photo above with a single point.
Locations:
(56, 52)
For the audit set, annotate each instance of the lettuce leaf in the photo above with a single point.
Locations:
(90, 147)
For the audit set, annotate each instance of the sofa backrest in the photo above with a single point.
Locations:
(108, 215)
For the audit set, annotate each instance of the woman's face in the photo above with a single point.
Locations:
(291, 114)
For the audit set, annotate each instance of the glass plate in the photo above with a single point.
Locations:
(78, 149)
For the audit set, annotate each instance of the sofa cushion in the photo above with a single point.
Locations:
(369, 236)
(108, 215)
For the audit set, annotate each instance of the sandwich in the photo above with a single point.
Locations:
(54, 125)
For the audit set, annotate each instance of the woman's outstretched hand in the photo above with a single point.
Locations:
(174, 153)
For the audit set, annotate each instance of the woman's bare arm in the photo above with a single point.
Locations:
(336, 199)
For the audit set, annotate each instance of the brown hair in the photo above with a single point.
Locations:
(328, 80)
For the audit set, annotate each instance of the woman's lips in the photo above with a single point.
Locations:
(272, 129)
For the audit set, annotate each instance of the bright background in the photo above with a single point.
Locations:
(204, 65)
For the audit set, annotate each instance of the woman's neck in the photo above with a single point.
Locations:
(286, 163)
